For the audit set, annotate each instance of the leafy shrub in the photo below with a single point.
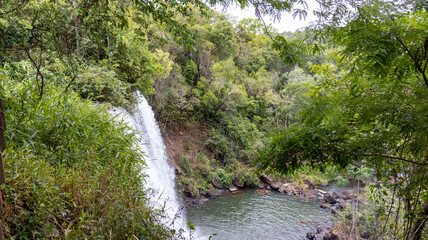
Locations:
(317, 174)
(223, 177)
(100, 83)
(241, 130)
(190, 71)
(71, 171)
(249, 178)
(219, 144)
(184, 163)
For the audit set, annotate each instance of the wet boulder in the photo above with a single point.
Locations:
(325, 205)
(346, 195)
(290, 188)
(309, 194)
(329, 199)
(213, 193)
(310, 236)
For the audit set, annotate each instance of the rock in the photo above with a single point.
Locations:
(321, 193)
(324, 184)
(180, 133)
(329, 199)
(341, 206)
(238, 183)
(310, 236)
(271, 181)
(233, 189)
(261, 185)
(336, 196)
(213, 193)
(290, 188)
(331, 236)
(199, 201)
(216, 183)
(318, 234)
(309, 194)
(267, 179)
(325, 205)
(334, 212)
(276, 185)
(310, 183)
(346, 195)
(188, 191)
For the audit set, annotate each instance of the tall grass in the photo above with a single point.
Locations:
(71, 171)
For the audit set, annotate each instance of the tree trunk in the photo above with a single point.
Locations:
(420, 222)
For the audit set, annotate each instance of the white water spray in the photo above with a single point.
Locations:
(160, 174)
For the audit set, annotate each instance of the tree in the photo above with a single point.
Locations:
(376, 114)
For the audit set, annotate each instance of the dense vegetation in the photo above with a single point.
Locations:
(236, 88)
(70, 170)
(370, 110)
(348, 93)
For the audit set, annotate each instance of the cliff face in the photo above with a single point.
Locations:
(187, 140)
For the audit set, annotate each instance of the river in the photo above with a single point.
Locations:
(257, 214)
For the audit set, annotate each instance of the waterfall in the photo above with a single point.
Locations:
(160, 178)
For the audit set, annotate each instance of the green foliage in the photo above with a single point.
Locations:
(137, 65)
(99, 83)
(223, 177)
(190, 71)
(317, 174)
(242, 131)
(221, 34)
(219, 144)
(71, 171)
(369, 110)
(184, 163)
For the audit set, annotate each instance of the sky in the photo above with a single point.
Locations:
(287, 23)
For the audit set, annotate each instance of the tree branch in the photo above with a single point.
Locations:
(417, 65)
(378, 155)
(38, 72)
(16, 8)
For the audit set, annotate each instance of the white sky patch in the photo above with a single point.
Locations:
(287, 23)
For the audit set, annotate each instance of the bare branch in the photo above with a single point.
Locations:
(39, 73)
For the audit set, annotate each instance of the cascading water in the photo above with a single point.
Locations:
(160, 174)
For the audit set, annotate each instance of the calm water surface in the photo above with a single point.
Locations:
(254, 214)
